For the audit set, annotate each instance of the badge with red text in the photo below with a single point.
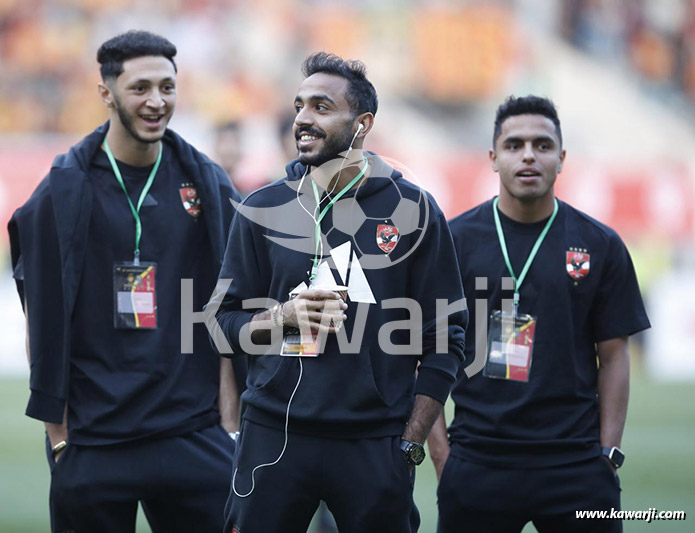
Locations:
(577, 263)
(134, 296)
(387, 237)
(294, 344)
(190, 199)
(510, 346)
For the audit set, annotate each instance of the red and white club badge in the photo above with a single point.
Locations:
(191, 201)
(387, 237)
(577, 264)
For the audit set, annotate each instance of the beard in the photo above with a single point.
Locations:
(332, 148)
(127, 120)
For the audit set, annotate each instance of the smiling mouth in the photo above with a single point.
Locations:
(152, 119)
(304, 140)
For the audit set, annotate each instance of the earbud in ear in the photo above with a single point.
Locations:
(360, 127)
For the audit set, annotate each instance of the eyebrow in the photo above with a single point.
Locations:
(543, 138)
(168, 79)
(316, 98)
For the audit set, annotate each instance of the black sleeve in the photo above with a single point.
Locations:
(618, 310)
(435, 276)
(245, 268)
(35, 251)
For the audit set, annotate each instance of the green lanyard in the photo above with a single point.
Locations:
(531, 256)
(143, 194)
(322, 214)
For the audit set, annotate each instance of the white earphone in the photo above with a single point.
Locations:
(360, 127)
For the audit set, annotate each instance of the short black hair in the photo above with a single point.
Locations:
(526, 105)
(361, 94)
(129, 45)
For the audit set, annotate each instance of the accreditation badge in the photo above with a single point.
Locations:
(510, 346)
(294, 344)
(134, 296)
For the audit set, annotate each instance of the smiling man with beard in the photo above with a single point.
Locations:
(99, 252)
(338, 423)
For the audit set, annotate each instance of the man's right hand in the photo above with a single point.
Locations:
(320, 310)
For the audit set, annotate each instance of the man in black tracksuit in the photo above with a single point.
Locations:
(129, 418)
(347, 425)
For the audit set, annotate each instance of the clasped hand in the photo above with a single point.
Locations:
(320, 310)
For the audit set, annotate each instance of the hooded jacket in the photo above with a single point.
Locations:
(364, 385)
(48, 239)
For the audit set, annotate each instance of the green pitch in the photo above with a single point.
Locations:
(659, 471)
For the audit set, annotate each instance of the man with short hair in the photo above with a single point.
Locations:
(99, 254)
(343, 422)
(540, 412)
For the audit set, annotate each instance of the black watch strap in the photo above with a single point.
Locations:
(414, 452)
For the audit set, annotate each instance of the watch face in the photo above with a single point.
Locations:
(414, 453)
(617, 457)
(614, 455)
(417, 454)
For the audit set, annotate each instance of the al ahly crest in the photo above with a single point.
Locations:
(387, 237)
(577, 263)
(190, 199)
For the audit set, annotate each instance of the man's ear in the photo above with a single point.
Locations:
(106, 94)
(366, 120)
(492, 155)
(561, 162)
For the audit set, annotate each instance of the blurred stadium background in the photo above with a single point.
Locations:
(622, 73)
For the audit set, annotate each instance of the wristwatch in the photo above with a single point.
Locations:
(615, 455)
(414, 452)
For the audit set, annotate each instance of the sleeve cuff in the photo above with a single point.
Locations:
(231, 324)
(434, 383)
(44, 407)
(615, 333)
